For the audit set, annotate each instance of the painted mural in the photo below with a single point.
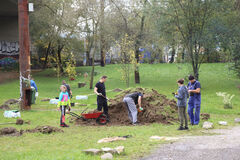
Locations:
(9, 54)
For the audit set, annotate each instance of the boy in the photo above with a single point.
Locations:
(182, 96)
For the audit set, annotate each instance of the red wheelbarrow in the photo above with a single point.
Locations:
(100, 117)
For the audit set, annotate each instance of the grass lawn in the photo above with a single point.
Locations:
(68, 145)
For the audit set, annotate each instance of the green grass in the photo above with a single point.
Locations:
(68, 145)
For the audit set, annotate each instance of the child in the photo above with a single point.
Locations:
(182, 96)
(63, 102)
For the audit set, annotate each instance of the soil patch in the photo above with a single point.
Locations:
(10, 131)
(157, 109)
(117, 90)
(44, 129)
(5, 107)
(11, 101)
(205, 116)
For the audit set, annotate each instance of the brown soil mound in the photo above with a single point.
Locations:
(11, 101)
(117, 90)
(19, 122)
(10, 131)
(205, 116)
(5, 107)
(44, 129)
(157, 109)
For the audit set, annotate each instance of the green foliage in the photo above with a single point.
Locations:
(71, 69)
(227, 99)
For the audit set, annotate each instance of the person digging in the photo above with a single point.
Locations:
(131, 100)
(100, 91)
(182, 96)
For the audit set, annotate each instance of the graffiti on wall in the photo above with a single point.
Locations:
(9, 48)
(9, 54)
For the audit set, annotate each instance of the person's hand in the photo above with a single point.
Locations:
(189, 91)
(99, 94)
(36, 94)
(69, 109)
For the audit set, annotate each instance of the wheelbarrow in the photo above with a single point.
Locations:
(100, 117)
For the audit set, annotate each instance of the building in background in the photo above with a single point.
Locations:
(9, 46)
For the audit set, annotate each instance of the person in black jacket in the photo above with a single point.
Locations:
(100, 90)
(131, 100)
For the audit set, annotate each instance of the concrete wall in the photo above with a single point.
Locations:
(9, 28)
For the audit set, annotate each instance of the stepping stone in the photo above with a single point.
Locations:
(107, 156)
(207, 125)
(92, 151)
(224, 123)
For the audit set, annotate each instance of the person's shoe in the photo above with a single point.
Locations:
(135, 124)
(62, 125)
(65, 125)
(186, 128)
(180, 128)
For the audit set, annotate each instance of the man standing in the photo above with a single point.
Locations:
(68, 88)
(100, 90)
(131, 100)
(194, 89)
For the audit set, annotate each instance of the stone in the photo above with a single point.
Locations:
(164, 138)
(207, 125)
(237, 120)
(111, 139)
(92, 151)
(119, 149)
(109, 150)
(224, 123)
(107, 156)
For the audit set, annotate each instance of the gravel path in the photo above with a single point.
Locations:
(225, 146)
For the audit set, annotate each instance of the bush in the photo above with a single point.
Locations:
(227, 99)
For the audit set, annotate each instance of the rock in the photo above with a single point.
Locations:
(119, 149)
(207, 125)
(109, 150)
(5, 107)
(107, 156)
(237, 120)
(224, 123)
(111, 139)
(92, 151)
(164, 138)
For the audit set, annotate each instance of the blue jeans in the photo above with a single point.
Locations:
(194, 118)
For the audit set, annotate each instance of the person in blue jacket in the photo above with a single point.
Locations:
(33, 84)
(194, 103)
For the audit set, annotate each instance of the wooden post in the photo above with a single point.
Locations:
(24, 54)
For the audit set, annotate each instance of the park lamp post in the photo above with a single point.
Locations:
(24, 53)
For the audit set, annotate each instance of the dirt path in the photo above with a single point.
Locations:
(225, 146)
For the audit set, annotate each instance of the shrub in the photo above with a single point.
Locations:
(227, 99)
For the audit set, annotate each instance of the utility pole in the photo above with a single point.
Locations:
(24, 54)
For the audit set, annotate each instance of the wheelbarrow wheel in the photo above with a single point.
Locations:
(102, 119)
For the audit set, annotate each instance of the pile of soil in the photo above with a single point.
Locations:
(11, 101)
(19, 121)
(117, 90)
(157, 109)
(205, 116)
(4, 107)
(44, 129)
(10, 131)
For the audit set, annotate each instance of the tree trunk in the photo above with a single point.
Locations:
(92, 73)
(102, 41)
(46, 56)
(173, 54)
(87, 58)
(59, 50)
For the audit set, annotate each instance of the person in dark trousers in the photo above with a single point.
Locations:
(194, 102)
(68, 88)
(100, 90)
(131, 100)
(182, 96)
(63, 103)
